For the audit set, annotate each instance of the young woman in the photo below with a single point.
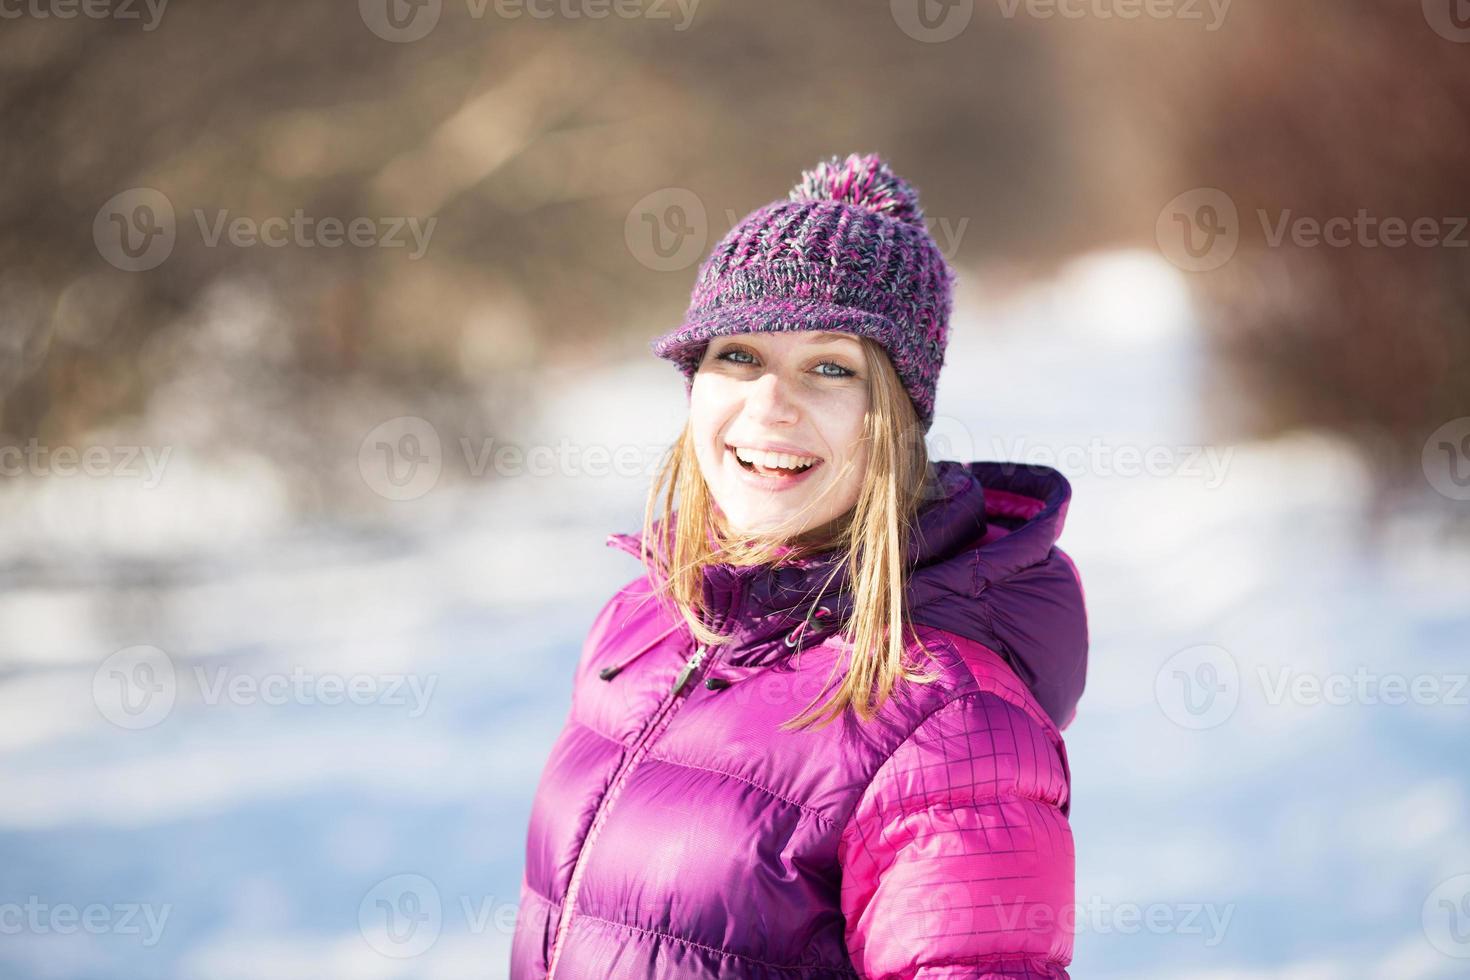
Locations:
(820, 734)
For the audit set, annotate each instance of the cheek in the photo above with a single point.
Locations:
(843, 421)
(710, 406)
(701, 400)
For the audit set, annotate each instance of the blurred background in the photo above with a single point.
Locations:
(324, 375)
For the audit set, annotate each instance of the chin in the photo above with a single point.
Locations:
(767, 522)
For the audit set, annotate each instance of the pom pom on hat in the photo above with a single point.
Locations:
(865, 181)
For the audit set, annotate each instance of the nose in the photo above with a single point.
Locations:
(768, 400)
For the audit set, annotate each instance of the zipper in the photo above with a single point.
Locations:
(635, 755)
(689, 668)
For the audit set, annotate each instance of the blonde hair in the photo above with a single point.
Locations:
(873, 535)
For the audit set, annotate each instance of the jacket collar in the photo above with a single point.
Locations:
(983, 565)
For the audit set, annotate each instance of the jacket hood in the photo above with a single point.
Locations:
(984, 565)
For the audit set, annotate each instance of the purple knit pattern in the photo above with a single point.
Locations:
(846, 251)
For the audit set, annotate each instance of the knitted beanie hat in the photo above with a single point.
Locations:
(846, 251)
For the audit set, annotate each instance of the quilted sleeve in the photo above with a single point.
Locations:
(958, 860)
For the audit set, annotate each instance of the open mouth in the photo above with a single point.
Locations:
(776, 466)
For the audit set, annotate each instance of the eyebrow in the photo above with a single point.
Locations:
(819, 337)
(831, 337)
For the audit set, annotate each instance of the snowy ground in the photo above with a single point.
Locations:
(238, 768)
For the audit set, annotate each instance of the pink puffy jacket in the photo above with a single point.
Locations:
(678, 833)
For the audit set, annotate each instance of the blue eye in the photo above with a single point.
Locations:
(845, 372)
(728, 356)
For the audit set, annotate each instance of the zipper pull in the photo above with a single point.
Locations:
(689, 668)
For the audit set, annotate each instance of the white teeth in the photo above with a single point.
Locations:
(771, 461)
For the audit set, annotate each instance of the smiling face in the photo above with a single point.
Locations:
(777, 421)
